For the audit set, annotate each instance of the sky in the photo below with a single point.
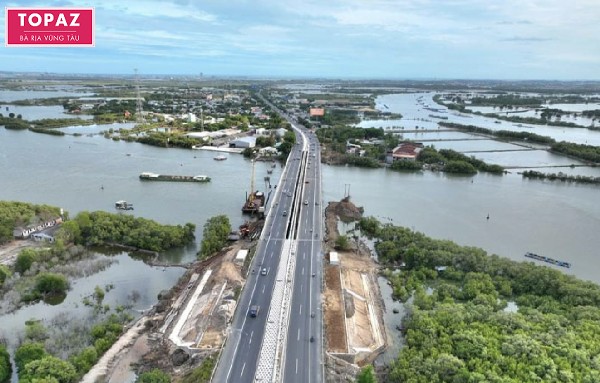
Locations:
(395, 39)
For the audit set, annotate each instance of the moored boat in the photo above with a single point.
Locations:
(548, 260)
(220, 157)
(123, 205)
(147, 176)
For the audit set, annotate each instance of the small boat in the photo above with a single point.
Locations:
(220, 157)
(548, 260)
(269, 171)
(123, 205)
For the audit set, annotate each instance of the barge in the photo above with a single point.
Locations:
(147, 176)
(548, 260)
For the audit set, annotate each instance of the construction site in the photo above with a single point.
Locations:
(190, 322)
(352, 303)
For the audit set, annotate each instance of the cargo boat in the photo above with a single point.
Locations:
(548, 260)
(147, 176)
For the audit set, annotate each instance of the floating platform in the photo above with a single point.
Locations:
(548, 260)
(147, 176)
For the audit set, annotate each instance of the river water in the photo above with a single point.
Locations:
(553, 219)
(91, 173)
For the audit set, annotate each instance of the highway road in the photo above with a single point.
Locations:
(239, 358)
(303, 358)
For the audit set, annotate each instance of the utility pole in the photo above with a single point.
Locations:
(138, 100)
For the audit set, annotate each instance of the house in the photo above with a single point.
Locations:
(406, 151)
(281, 132)
(262, 132)
(316, 112)
(42, 237)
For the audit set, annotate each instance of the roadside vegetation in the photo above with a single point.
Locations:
(202, 373)
(461, 331)
(214, 236)
(154, 376)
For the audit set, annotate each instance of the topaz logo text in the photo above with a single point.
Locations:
(49, 27)
(35, 19)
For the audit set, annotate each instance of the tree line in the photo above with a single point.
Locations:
(102, 228)
(561, 177)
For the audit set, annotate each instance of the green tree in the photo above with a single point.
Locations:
(366, 375)
(84, 360)
(154, 376)
(25, 259)
(49, 367)
(51, 284)
(214, 236)
(5, 368)
(4, 274)
(28, 352)
(459, 167)
(200, 374)
(342, 243)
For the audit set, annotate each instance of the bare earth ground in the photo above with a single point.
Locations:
(10, 250)
(206, 324)
(352, 303)
(335, 330)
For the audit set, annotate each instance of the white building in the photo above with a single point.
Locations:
(334, 259)
(243, 143)
(241, 256)
(268, 151)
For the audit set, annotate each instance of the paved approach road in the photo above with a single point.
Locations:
(239, 358)
(303, 357)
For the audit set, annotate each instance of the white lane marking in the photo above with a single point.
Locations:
(300, 310)
(298, 334)
(303, 256)
(301, 288)
(303, 271)
(296, 365)
(251, 334)
(244, 366)
(264, 286)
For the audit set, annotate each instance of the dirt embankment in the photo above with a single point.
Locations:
(352, 303)
(9, 251)
(150, 347)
